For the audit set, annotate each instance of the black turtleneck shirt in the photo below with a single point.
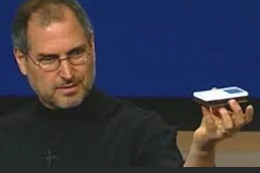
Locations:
(102, 131)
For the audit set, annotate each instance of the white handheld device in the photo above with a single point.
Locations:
(220, 96)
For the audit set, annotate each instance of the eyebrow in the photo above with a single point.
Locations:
(81, 47)
(42, 55)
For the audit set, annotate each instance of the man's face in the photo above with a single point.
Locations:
(69, 84)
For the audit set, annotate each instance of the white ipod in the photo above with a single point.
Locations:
(220, 96)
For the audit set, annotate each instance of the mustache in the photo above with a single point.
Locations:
(67, 84)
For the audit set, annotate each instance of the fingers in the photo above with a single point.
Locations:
(228, 126)
(205, 111)
(249, 114)
(235, 107)
(219, 123)
(207, 118)
(234, 120)
(237, 115)
(241, 118)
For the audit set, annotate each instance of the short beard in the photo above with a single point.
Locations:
(69, 103)
(65, 103)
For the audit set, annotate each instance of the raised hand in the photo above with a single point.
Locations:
(220, 123)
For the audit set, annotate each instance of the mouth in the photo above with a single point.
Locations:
(68, 89)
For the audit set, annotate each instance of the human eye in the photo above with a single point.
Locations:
(77, 53)
(48, 59)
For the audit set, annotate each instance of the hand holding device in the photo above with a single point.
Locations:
(219, 96)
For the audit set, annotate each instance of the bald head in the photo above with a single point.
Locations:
(46, 12)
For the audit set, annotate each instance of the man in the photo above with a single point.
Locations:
(73, 123)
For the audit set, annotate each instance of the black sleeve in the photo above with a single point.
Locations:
(158, 145)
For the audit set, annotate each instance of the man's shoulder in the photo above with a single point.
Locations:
(130, 113)
(14, 107)
(112, 106)
(120, 111)
(130, 109)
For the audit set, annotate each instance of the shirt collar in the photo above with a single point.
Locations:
(97, 106)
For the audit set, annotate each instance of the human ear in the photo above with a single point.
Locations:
(21, 60)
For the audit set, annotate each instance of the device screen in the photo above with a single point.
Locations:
(233, 91)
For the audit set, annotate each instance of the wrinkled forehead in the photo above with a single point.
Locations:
(56, 38)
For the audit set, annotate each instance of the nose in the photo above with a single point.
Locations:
(66, 70)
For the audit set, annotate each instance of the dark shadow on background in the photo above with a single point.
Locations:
(184, 113)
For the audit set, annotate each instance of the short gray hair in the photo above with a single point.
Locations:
(49, 12)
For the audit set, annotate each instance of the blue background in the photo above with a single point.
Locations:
(160, 48)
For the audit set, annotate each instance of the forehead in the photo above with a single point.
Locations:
(51, 13)
(66, 32)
